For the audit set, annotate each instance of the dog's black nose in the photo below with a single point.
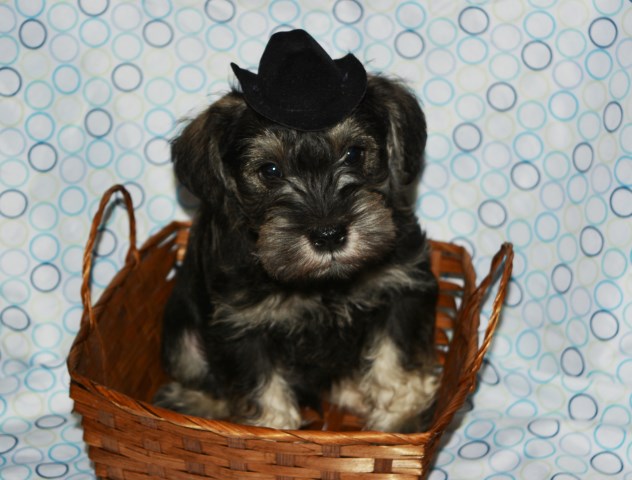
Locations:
(328, 238)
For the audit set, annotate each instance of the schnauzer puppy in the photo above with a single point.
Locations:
(307, 275)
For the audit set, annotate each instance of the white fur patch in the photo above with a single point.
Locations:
(388, 396)
(347, 394)
(278, 406)
(278, 308)
(191, 402)
(371, 232)
(397, 395)
(295, 310)
(286, 252)
(189, 361)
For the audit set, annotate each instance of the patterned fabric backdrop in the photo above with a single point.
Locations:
(530, 140)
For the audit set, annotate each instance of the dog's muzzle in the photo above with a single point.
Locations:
(328, 238)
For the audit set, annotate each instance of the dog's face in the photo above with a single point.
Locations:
(318, 205)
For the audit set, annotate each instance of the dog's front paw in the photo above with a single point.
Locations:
(399, 407)
(281, 418)
(398, 396)
(277, 406)
(173, 396)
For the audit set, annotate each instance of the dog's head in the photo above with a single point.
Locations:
(319, 205)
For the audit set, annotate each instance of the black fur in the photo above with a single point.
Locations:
(240, 242)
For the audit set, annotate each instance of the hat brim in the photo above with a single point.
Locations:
(353, 88)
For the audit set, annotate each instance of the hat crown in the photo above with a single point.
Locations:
(297, 72)
(299, 85)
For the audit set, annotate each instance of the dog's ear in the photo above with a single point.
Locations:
(198, 151)
(406, 129)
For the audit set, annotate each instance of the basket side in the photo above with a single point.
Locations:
(128, 444)
(122, 350)
(456, 333)
(457, 319)
(465, 356)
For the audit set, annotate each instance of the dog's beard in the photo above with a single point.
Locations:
(287, 254)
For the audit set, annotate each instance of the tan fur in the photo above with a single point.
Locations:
(190, 361)
(340, 134)
(277, 406)
(196, 402)
(347, 394)
(280, 308)
(262, 149)
(388, 396)
(397, 395)
(288, 255)
(286, 308)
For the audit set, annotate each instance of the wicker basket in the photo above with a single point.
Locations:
(115, 369)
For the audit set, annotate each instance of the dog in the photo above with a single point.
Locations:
(307, 275)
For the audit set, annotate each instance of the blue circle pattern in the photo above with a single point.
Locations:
(543, 164)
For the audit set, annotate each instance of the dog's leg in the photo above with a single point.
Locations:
(185, 357)
(348, 395)
(188, 401)
(397, 395)
(277, 405)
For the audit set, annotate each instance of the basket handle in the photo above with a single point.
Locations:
(88, 254)
(503, 256)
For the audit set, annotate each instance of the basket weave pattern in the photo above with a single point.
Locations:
(115, 369)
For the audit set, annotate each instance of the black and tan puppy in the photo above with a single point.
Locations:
(306, 271)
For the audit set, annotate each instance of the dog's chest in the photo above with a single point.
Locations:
(290, 316)
(294, 311)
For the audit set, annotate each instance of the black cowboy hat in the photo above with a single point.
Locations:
(298, 84)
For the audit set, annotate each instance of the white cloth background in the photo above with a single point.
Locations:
(530, 140)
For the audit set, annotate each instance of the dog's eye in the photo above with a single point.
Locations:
(270, 170)
(354, 155)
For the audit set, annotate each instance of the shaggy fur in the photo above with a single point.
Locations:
(307, 273)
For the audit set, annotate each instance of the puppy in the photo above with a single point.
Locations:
(306, 273)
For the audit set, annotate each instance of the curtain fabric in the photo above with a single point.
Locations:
(530, 141)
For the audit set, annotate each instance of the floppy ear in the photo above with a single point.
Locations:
(406, 130)
(198, 151)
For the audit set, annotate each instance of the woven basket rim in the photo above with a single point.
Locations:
(222, 427)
